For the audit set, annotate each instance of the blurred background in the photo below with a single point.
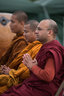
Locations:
(35, 9)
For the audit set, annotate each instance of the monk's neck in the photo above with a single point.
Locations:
(19, 34)
(49, 40)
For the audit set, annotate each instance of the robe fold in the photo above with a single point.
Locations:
(33, 86)
(20, 71)
(17, 45)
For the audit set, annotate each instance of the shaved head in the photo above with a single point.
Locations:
(51, 25)
(46, 30)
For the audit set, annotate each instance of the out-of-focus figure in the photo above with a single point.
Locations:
(5, 33)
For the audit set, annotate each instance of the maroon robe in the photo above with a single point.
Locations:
(33, 86)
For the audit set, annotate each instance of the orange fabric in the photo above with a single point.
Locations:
(47, 73)
(18, 44)
(22, 72)
(31, 49)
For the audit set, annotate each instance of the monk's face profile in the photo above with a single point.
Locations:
(42, 31)
(15, 25)
(28, 33)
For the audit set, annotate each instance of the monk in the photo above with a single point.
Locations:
(47, 70)
(18, 20)
(13, 76)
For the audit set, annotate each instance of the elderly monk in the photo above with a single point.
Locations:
(16, 76)
(18, 20)
(47, 70)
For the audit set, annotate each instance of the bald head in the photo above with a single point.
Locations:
(46, 30)
(51, 24)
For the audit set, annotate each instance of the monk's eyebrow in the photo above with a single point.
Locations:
(38, 28)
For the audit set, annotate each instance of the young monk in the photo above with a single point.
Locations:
(22, 72)
(47, 70)
(18, 19)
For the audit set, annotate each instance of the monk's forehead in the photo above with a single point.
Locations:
(27, 26)
(44, 24)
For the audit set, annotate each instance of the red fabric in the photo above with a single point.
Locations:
(46, 74)
(34, 86)
(62, 93)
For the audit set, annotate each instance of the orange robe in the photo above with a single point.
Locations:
(22, 72)
(18, 44)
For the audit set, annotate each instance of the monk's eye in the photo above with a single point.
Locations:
(38, 28)
(4, 21)
(25, 31)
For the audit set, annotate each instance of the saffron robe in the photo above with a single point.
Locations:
(33, 86)
(22, 71)
(18, 44)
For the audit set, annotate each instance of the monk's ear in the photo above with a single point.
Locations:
(50, 32)
(22, 23)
